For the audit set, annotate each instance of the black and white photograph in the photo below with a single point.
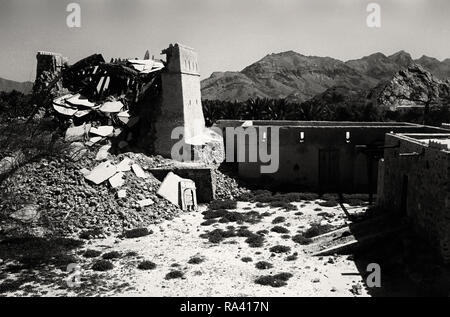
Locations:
(225, 154)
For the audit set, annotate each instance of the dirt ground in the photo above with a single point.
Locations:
(218, 268)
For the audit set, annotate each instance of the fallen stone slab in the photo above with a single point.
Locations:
(145, 202)
(78, 133)
(122, 193)
(84, 171)
(139, 171)
(117, 132)
(82, 113)
(101, 173)
(93, 140)
(124, 116)
(204, 179)
(78, 100)
(103, 152)
(8, 163)
(26, 214)
(362, 242)
(170, 188)
(76, 151)
(60, 106)
(117, 180)
(104, 131)
(67, 111)
(125, 165)
(111, 107)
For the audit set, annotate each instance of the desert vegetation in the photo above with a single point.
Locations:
(336, 107)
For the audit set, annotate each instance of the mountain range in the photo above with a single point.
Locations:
(9, 85)
(297, 77)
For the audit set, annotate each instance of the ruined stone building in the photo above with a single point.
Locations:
(406, 164)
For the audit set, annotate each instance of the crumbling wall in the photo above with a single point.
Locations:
(50, 62)
(418, 187)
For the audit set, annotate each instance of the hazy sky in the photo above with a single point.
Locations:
(228, 34)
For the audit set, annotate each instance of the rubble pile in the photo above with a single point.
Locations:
(227, 187)
(102, 98)
(99, 179)
(67, 202)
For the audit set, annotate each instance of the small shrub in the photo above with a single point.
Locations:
(279, 229)
(328, 203)
(289, 197)
(278, 220)
(208, 222)
(246, 259)
(277, 280)
(317, 229)
(111, 255)
(300, 239)
(326, 214)
(291, 257)
(102, 265)
(285, 236)
(174, 274)
(255, 241)
(246, 197)
(146, 265)
(260, 205)
(131, 254)
(309, 196)
(242, 232)
(280, 249)
(223, 204)
(213, 214)
(91, 253)
(283, 276)
(218, 235)
(299, 213)
(287, 206)
(232, 217)
(263, 196)
(9, 286)
(91, 234)
(196, 260)
(263, 265)
(137, 233)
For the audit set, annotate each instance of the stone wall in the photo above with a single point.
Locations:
(299, 158)
(418, 187)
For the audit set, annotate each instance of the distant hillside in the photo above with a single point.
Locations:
(298, 78)
(413, 86)
(9, 85)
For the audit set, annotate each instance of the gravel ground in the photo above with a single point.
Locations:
(201, 268)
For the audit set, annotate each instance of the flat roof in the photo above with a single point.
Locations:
(287, 123)
(425, 139)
